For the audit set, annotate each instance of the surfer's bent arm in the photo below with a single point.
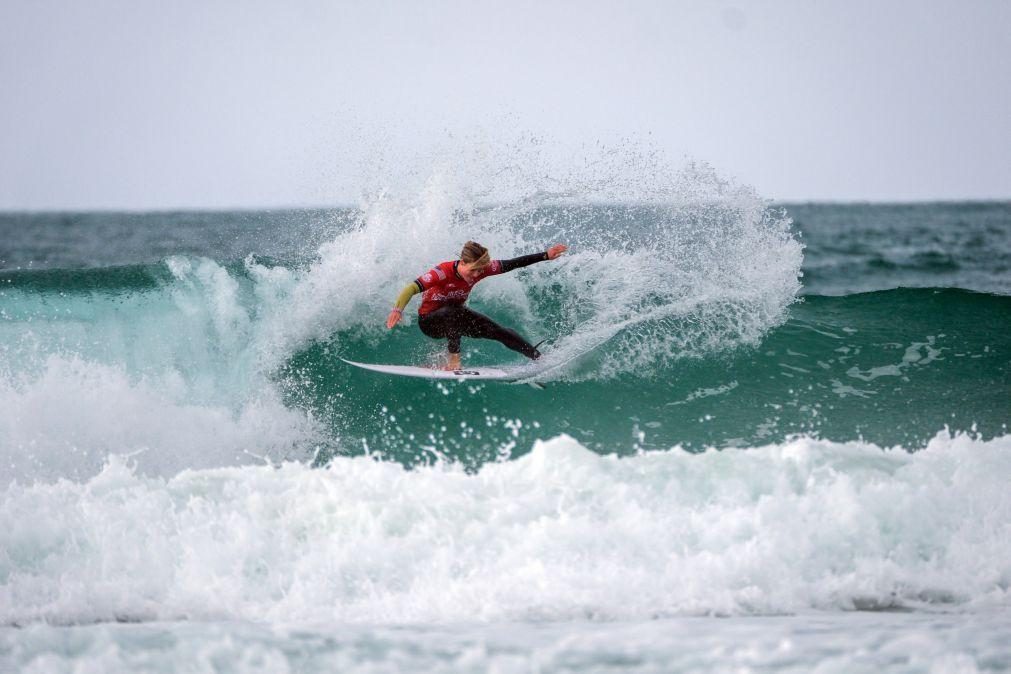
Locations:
(409, 291)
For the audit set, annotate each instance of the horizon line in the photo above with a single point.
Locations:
(329, 207)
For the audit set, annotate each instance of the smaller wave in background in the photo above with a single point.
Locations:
(866, 247)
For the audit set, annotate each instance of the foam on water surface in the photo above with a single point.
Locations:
(559, 534)
(854, 643)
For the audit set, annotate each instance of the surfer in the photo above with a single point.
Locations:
(442, 314)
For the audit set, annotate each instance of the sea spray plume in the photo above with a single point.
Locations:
(663, 263)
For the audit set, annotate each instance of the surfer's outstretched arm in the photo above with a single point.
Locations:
(527, 260)
(409, 291)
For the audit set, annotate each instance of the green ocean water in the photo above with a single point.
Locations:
(892, 367)
(885, 342)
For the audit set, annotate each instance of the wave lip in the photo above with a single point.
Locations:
(559, 534)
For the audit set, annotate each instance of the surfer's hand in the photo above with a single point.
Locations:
(393, 318)
(556, 250)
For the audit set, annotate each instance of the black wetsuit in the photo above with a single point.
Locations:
(454, 320)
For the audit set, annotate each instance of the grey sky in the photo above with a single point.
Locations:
(132, 104)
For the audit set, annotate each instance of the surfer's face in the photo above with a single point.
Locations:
(469, 271)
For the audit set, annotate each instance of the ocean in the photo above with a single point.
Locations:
(764, 437)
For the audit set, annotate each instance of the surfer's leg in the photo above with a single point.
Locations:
(473, 324)
(444, 323)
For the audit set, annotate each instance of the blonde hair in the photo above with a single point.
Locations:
(475, 254)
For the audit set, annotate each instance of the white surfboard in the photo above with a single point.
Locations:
(429, 373)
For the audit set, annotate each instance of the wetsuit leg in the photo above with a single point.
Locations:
(455, 321)
(482, 327)
(442, 323)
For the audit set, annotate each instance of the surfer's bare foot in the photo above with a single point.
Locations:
(453, 363)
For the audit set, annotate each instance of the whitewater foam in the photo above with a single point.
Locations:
(851, 643)
(68, 420)
(559, 534)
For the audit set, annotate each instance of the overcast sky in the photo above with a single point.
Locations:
(182, 104)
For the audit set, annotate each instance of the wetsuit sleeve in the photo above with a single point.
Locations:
(409, 291)
(518, 262)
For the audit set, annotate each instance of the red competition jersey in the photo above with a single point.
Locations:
(442, 286)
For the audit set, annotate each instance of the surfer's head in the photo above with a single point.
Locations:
(475, 255)
(473, 259)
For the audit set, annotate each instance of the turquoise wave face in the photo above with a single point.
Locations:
(891, 367)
